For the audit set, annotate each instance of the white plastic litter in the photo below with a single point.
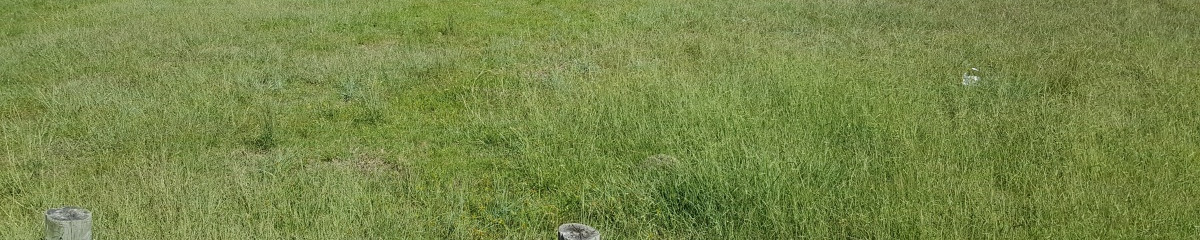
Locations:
(971, 77)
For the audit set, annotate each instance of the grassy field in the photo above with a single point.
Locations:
(675, 119)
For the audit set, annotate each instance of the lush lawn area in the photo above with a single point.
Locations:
(679, 119)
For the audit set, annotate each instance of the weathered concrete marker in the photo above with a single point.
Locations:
(575, 231)
(68, 223)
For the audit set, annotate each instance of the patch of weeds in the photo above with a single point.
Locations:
(681, 196)
(1062, 75)
(266, 139)
(448, 27)
(688, 199)
(370, 111)
(305, 79)
(847, 226)
(35, 167)
(1064, 83)
(361, 161)
(850, 133)
(330, 114)
(562, 75)
(11, 188)
(22, 108)
(370, 116)
(436, 70)
(350, 90)
(693, 51)
(505, 142)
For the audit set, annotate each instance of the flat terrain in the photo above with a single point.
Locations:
(664, 119)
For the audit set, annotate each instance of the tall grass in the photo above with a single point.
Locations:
(250, 119)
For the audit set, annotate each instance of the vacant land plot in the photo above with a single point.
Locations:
(364, 119)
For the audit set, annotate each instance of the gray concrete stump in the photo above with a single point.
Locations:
(575, 231)
(68, 223)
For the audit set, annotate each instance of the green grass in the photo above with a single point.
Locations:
(360, 119)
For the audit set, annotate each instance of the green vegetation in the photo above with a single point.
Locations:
(364, 119)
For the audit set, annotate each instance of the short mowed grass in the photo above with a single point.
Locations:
(671, 119)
